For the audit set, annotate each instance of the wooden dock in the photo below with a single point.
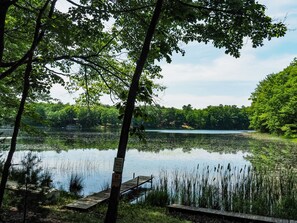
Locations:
(224, 215)
(90, 201)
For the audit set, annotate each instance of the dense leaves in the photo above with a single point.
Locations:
(75, 45)
(224, 117)
(225, 24)
(274, 103)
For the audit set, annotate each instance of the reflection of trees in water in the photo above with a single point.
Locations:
(211, 143)
(155, 142)
(273, 154)
(109, 140)
(71, 140)
(261, 152)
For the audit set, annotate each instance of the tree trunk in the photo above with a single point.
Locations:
(3, 11)
(111, 214)
(16, 128)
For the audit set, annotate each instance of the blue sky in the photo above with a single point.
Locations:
(206, 76)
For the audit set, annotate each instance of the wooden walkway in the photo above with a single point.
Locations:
(90, 201)
(240, 217)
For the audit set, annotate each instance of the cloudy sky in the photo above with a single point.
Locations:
(206, 76)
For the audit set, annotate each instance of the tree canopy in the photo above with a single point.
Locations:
(274, 103)
(75, 44)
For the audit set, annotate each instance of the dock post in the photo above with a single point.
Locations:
(137, 181)
(151, 181)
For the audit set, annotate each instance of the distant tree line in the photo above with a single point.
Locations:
(59, 115)
(213, 117)
(274, 103)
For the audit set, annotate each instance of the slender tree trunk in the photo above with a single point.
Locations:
(17, 124)
(4, 5)
(111, 214)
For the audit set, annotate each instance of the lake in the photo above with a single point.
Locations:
(91, 154)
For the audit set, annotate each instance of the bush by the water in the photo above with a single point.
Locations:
(75, 184)
(157, 198)
(29, 171)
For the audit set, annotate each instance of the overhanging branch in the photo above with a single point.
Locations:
(38, 35)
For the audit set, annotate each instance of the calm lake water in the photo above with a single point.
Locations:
(91, 154)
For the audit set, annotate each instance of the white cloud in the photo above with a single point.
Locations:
(224, 68)
(178, 100)
(63, 5)
(59, 92)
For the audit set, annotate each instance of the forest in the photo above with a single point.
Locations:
(59, 115)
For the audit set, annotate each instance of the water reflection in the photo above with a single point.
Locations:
(95, 166)
(91, 155)
(273, 154)
(201, 131)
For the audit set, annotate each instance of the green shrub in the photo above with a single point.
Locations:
(157, 198)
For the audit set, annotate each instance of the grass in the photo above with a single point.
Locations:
(136, 213)
(145, 213)
(245, 190)
(127, 213)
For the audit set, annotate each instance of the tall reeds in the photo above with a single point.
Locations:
(239, 189)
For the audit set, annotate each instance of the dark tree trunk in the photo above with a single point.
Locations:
(111, 214)
(4, 5)
(16, 128)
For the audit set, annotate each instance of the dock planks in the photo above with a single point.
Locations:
(90, 201)
(240, 217)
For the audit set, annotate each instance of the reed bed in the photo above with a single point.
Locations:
(244, 189)
(82, 166)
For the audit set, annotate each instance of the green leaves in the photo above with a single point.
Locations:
(274, 103)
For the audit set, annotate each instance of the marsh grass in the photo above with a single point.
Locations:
(245, 189)
(84, 166)
(76, 184)
(159, 196)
